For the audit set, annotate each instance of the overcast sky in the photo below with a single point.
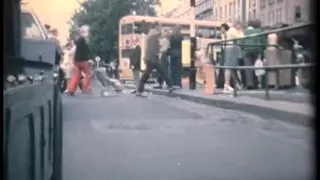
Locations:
(58, 12)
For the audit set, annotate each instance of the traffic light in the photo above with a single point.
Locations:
(192, 3)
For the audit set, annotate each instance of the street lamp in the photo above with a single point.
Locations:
(193, 41)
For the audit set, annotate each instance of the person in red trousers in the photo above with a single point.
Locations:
(81, 63)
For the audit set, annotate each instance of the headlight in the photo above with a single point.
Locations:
(21, 78)
(11, 78)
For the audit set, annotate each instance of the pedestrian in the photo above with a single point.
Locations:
(135, 63)
(251, 52)
(164, 59)
(67, 65)
(175, 56)
(81, 63)
(232, 53)
(151, 60)
(47, 27)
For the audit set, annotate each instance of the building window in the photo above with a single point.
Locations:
(230, 8)
(225, 11)
(297, 12)
(215, 14)
(254, 14)
(262, 4)
(279, 15)
(271, 18)
(254, 3)
(262, 19)
(220, 13)
(271, 2)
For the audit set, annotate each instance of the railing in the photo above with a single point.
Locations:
(266, 68)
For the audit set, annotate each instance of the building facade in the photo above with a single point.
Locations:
(204, 9)
(227, 10)
(272, 12)
(180, 11)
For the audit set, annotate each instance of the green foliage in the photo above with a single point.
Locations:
(103, 18)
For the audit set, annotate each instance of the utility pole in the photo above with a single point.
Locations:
(193, 41)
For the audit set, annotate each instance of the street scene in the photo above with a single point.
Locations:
(161, 90)
(164, 138)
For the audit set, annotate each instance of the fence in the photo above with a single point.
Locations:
(266, 68)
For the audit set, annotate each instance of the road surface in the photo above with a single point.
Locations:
(159, 138)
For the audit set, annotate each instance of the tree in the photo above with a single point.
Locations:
(145, 7)
(103, 18)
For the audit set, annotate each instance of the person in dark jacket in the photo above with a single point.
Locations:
(251, 53)
(81, 63)
(135, 58)
(175, 54)
(151, 60)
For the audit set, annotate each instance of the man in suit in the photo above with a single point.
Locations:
(135, 58)
(152, 60)
(175, 55)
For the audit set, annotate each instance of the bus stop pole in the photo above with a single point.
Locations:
(193, 41)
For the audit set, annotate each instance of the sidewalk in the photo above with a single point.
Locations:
(288, 105)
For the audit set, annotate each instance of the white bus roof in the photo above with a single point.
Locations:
(160, 20)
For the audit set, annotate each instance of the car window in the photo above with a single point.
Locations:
(29, 27)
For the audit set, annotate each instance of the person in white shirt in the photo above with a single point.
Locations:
(232, 52)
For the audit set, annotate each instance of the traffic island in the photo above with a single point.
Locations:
(289, 106)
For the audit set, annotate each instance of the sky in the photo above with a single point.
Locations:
(57, 13)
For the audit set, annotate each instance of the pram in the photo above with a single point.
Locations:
(106, 83)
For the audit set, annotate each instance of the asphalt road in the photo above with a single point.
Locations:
(159, 138)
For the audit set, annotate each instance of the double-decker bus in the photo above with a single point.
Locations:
(136, 27)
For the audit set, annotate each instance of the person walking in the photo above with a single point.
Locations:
(232, 53)
(67, 65)
(151, 60)
(175, 55)
(251, 53)
(81, 63)
(164, 61)
(135, 58)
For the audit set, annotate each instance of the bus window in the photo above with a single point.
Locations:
(199, 33)
(127, 29)
(141, 27)
(218, 33)
(211, 32)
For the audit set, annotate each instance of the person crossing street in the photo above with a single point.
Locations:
(152, 60)
(81, 63)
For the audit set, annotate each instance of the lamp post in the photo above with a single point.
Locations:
(193, 41)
